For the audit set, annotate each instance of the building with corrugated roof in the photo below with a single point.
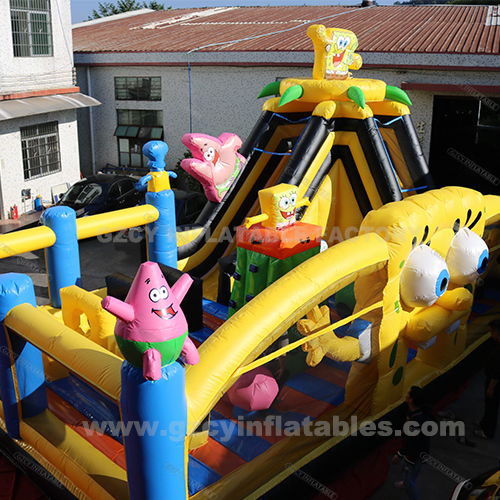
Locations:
(164, 74)
(38, 102)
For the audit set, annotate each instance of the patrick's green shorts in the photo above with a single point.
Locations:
(169, 349)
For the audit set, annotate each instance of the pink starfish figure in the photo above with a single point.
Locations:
(152, 330)
(215, 162)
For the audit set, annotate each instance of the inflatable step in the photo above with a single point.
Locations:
(200, 476)
(236, 438)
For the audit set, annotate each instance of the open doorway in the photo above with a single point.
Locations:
(465, 143)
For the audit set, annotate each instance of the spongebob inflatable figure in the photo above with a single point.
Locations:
(278, 205)
(333, 53)
(271, 244)
(436, 254)
(331, 82)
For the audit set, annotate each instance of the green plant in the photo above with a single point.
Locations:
(108, 9)
(184, 180)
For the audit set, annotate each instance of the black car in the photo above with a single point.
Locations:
(108, 192)
(101, 193)
(188, 206)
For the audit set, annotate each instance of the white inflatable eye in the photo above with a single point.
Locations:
(467, 257)
(340, 42)
(293, 199)
(154, 295)
(347, 42)
(424, 279)
(284, 203)
(163, 292)
(209, 154)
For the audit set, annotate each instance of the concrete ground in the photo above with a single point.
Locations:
(26, 220)
(461, 460)
(99, 258)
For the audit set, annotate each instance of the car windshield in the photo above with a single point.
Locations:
(85, 194)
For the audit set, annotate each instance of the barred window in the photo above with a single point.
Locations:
(40, 147)
(137, 89)
(31, 28)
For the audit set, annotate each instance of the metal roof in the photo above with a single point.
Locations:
(99, 20)
(16, 108)
(427, 29)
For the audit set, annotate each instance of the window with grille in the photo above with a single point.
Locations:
(31, 28)
(135, 128)
(40, 146)
(137, 89)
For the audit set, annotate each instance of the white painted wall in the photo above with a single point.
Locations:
(224, 98)
(27, 74)
(11, 162)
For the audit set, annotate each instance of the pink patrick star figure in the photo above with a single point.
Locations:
(215, 162)
(151, 330)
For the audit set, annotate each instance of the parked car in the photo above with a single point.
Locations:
(107, 192)
(101, 193)
(188, 206)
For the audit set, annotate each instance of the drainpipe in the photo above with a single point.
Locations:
(91, 120)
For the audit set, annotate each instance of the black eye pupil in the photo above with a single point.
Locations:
(483, 265)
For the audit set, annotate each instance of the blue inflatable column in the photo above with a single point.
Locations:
(22, 377)
(154, 417)
(63, 257)
(162, 238)
(161, 234)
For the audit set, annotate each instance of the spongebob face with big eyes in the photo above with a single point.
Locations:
(284, 206)
(333, 52)
(279, 203)
(339, 54)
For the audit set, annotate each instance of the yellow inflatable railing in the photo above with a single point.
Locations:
(80, 355)
(42, 237)
(252, 329)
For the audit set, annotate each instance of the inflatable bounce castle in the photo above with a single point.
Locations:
(150, 388)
